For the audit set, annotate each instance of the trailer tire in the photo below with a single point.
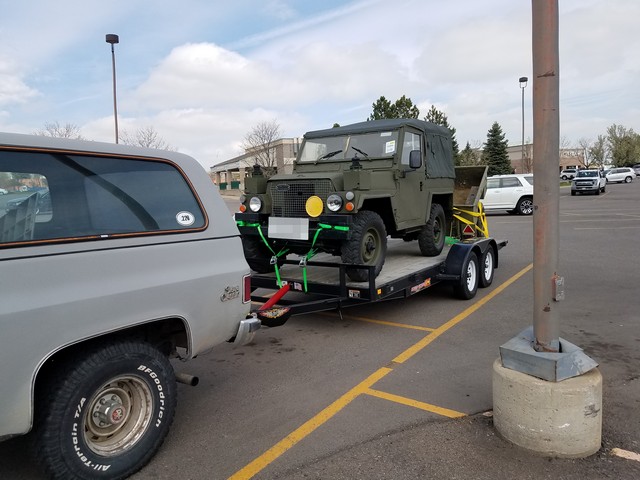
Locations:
(257, 254)
(367, 245)
(104, 414)
(467, 286)
(487, 267)
(431, 237)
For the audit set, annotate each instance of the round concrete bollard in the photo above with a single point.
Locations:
(556, 419)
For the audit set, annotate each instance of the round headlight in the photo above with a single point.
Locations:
(334, 202)
(255, 204)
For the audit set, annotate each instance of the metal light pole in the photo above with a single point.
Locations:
(523, 83)
(113, 39)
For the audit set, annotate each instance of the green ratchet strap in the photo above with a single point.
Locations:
(274, 258)
(312, 252)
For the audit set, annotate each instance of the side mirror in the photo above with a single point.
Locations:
(415, 159)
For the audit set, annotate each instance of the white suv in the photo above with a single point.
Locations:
(513, 193)
(622, 174)
(568, 173)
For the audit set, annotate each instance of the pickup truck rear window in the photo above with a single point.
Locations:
(60, 196)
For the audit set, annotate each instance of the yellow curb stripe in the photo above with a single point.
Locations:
(411, 351)
(618, 452)
(445, 412)
(308, 427)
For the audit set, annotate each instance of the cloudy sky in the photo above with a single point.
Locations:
(202, 73)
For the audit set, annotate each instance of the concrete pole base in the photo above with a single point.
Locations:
(555, 419)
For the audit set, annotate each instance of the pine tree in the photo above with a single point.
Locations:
(402, 108)
(468, 156)
(495, 152)
(439, 118)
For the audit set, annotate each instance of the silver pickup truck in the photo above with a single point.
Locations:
(113, 260)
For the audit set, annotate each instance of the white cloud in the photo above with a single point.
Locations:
(204, 74)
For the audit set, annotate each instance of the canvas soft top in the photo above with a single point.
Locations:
(377, 125)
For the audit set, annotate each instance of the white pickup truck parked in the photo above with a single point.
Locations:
(588, 181)
(113, 260)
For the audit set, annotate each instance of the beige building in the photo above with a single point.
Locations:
(522, 159)
(230, 174)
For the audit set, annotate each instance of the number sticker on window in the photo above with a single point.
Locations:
(186, 219)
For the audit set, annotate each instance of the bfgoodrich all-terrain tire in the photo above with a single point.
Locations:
(432, 236)
(106, 413)
(367, 245)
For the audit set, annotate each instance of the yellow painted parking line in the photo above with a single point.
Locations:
(308, 427)
(415, 403)
(411, 351)
(363, 387)
(381, 322)
(618, 452)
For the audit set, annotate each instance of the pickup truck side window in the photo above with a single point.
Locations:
(63, 196)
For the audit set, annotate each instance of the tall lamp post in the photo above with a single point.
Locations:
(113, 39)
(523, 83)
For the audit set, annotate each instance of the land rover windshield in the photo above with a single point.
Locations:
(345, 147)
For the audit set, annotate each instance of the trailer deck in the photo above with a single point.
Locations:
(405, 273)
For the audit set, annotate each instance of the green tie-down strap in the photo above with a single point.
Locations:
(274, 258)
(312, 252)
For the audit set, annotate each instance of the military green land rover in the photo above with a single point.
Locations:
(350, 188)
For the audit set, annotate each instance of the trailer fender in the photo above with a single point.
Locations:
(459, 253)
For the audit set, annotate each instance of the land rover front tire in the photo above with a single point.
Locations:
(256, 254)
(432, 236)
(106, 413)
(367, 245)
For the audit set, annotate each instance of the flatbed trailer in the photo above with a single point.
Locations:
(323, 285)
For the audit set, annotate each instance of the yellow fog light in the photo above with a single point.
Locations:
(314, 206)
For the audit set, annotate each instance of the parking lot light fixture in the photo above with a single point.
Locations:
(113, 39)
(523, 84)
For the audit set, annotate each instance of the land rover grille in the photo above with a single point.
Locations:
(289, 198)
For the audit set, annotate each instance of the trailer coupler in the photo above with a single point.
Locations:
(272, 316)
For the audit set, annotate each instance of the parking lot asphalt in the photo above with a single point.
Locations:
(402, 389)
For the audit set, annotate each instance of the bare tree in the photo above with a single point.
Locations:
(527, 160)
(260, 143)
(588, 159)
(54, 129)
(146, 137)
(598, 151)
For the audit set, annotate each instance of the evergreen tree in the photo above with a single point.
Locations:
(402, 108)
(468, 156)
(439, 118)
(381, 109)
(495, 152)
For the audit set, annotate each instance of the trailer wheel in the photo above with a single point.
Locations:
(367, 245)
(487, 267)
(431, 237)
(257, 254)
(467, 286)
(106, 413)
